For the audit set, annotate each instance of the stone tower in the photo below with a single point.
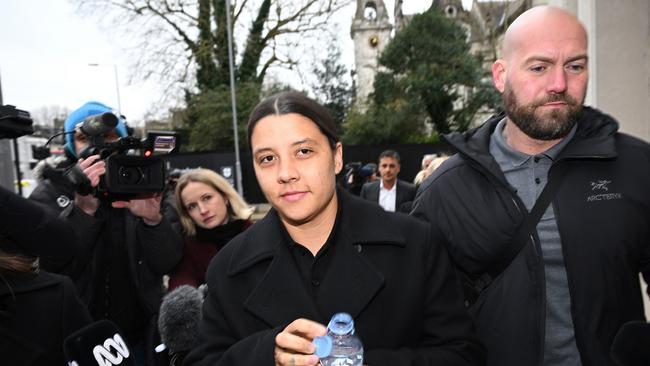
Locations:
(371, 32)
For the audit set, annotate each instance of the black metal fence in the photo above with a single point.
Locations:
(224, 163)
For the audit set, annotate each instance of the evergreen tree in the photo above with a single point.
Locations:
(332, 89)
(430, 76)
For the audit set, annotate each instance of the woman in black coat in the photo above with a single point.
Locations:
(321, 251)
(38, 310)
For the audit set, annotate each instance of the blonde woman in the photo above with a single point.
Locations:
(433, 165)
(211, 213)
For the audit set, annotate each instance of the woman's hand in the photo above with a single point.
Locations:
(294, 347)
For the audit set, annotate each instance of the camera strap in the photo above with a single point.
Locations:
(525, 231)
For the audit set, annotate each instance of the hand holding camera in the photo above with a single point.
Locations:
(92, 169)
(146, 208)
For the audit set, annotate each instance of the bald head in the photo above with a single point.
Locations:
(542, 76)
(541, 22)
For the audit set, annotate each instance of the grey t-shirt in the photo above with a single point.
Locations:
(528, 175)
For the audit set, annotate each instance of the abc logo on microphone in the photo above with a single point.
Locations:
(99, 344)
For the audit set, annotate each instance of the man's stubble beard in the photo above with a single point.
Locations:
(551, 126)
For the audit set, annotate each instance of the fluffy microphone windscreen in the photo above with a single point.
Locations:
(180, 313)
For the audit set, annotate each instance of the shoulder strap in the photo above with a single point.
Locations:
(525, 229)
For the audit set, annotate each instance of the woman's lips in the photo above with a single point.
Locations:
(293, 196)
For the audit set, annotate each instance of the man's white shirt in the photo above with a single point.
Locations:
(387, 197)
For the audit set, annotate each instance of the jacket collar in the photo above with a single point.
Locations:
(368, 228)
(594, 138)
(264, 241)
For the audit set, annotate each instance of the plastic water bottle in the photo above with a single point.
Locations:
(340, 347)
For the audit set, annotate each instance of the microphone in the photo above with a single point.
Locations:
(99, 124)
(99, 344)
(631, 346)
(178, 320)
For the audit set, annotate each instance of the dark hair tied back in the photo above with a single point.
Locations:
(293, 102)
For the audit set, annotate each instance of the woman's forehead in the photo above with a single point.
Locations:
(286, 128)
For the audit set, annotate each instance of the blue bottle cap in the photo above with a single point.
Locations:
(341, 323)
(323, 346)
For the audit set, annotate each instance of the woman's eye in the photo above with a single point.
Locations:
(191, 206)
(304, 152)
(266, 159)
(207, 197)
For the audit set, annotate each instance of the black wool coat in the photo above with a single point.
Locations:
(398, 285)
(37, 313)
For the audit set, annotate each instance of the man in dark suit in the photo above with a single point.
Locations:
(389, 192)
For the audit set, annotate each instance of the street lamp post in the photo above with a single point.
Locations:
(233, 98)
(117, 86)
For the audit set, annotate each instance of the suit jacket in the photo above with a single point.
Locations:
(405, 192)
(399, 287)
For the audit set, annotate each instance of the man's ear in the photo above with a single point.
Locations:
(338, 158)
(499, 74)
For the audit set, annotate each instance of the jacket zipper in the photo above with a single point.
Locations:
(576, 333)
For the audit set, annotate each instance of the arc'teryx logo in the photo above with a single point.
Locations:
(105, 357)
(601, 185)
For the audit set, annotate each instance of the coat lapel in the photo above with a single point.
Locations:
(399, 193)
(280, 297)
(375, 191)
(350, 282)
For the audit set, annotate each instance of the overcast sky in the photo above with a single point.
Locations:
(46, 49)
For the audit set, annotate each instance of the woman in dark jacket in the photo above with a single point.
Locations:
(38, 310)
(320, 251)
(211, 213)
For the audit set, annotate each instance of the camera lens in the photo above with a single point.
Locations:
(130, 175)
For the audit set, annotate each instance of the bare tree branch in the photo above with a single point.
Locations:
(164, 35)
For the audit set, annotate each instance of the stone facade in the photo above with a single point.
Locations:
(371, 32)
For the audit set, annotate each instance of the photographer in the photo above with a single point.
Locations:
(127, 246)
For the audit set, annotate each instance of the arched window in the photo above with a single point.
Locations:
(370, 11)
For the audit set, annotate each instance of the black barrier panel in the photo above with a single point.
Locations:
(224, 163)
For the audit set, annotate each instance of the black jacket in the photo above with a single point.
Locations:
(603, 213)
(37, 313)
(399, 287)
(405, 192)
(151, 251)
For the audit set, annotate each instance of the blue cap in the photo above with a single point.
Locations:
(323, 346)
(341, 323)
(79, 115)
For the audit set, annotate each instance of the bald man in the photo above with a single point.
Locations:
(559, 294)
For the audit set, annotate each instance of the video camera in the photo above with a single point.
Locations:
(14, 122)
(127, 176)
